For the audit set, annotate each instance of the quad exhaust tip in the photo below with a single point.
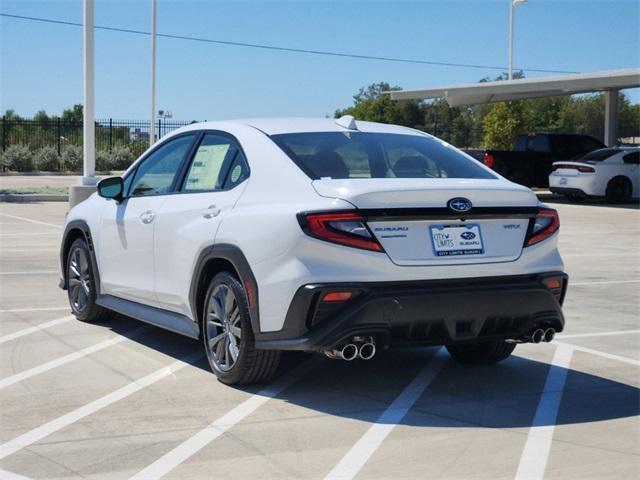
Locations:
(549, 335)
(348, 352)
(367, 351)
(540, 335)
(360, 347)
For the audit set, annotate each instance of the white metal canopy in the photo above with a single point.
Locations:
(488, 92)
(609, 82)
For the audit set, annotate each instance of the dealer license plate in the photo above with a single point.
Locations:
(454, 240)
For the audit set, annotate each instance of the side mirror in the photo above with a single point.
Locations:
(112, 188)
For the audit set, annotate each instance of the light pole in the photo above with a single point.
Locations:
(512, 3)
(152, 126)
(89, 153)
(87, 184)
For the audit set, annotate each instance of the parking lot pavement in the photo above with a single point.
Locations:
(122, 399)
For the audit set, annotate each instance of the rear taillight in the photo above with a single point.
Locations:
(546, 223)
(488, 160)
(580, 168)
(343, 228)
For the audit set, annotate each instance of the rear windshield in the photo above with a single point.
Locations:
(376, 155)
(600, 155)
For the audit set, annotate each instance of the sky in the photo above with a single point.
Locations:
(41, 63)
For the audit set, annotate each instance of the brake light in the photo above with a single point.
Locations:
(488, 160)
(343, 228)
(546, 223)
(580, 168)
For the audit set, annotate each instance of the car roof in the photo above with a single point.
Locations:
(279, 125)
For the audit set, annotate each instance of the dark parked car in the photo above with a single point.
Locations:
(529, 163)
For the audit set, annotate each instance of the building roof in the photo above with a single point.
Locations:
(506, 90)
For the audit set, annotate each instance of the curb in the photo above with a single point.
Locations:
(32, 197)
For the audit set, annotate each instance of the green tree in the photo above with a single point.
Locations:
(372, 105)
(502, 124)
(73, 115)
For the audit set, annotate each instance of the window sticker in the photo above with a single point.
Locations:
(206, 166)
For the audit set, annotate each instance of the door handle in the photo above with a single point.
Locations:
(211, 211)
(147, 217)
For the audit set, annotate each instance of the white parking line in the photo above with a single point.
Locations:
(28, 250)
(28, 234)
(536, 451)
(41, 272)
(30, 220)
(621, 254)
(45, 367)
(35, 328)
(43, 309)
(360, 453)
(597, 334)
(38, 433)
(197, 442)
(7, 475)
(599, 353)
(603, 282)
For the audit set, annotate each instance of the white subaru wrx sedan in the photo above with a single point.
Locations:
(331, 236)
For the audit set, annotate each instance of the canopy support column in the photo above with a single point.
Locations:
(611, 117)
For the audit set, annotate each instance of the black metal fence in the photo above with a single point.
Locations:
(59, 133)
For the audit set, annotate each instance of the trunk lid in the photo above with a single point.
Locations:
(573, 169)
(412, 221)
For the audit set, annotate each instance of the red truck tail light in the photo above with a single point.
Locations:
(488, 160)
(580, 168)
(344, 228)
(546, 223)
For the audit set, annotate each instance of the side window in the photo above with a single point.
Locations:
(217, 164)
(632, 158)
(157, 172)
(540, 143)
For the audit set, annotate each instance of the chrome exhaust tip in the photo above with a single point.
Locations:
(367, 351)
(549, 335)
(537, 336)
(348, 352)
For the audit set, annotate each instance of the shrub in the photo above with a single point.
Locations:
(18, 158)
(72, 158)
(47, 160)
(122, 158)
(104, 161)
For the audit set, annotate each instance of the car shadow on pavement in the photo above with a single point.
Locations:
(505, 395)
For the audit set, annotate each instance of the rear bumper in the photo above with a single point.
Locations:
(423, 313)
(568, 191)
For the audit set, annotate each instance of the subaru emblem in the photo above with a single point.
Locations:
(459, 205)
(468, 235)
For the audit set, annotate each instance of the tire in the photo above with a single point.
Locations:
(482, 353)
(619, 190)
(227, 333)
(81, 284)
